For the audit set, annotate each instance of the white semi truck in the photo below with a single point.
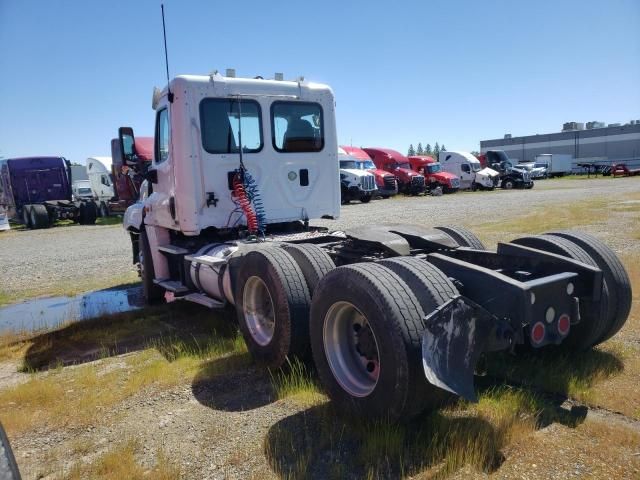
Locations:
(355, 182)
(467, 167)
(394, 316)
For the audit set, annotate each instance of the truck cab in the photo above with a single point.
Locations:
(468, 169)
(433, 173)
(510, 175)
(409, 181)
(356, 183)
(385, 181)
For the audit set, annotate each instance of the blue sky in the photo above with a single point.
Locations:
(72, 72)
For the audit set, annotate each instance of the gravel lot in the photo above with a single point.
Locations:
(77, 258)
(222, 427)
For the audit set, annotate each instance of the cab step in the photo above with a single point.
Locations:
(173, 249)
(172, 286)
(204, 300)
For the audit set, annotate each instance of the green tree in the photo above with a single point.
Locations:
(442, 149)
(411, 151)
(419, 150)
(436, 149)
(428, 150)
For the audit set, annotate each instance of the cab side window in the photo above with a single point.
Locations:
(465, 168)
(162, 136)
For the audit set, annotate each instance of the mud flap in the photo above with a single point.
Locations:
(455, 336)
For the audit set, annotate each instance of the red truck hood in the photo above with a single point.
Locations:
(379, 173)
(405, 173)
(144, 148)
(443, 177)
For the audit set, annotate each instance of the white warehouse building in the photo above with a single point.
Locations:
(597, 144)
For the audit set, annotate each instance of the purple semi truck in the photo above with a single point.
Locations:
(37, 192)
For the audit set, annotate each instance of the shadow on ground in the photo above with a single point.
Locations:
(321, 443)
(183, 324)
(555, 370)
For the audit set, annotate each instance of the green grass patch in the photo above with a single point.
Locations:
(295, 381)
(556, 370)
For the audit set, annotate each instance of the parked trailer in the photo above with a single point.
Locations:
(394, 317)
(37, 191)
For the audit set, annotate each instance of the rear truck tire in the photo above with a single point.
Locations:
(615, 275)
(272, 304)
(462, 236)
(88, 213)
(366, 198)
(151, 292)
(39, 216)
(366, 327)
(384, 197)
(595, 317)
(508, 184)
(26, 216)
(529, 186)
(313, 261)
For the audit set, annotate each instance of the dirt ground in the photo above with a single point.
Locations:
(140, 396)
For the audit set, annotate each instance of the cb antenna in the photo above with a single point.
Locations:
(166, 56)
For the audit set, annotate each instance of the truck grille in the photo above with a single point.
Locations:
(368, 183)
(417, 181)
(389, 182)
(455, 182)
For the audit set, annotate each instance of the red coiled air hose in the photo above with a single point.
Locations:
(245, 204)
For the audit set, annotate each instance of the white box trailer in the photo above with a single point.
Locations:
(557, 164)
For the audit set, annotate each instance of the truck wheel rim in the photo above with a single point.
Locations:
(351, 349)
(259, 312)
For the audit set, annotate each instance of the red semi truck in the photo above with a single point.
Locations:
(385, 181)
(409, 182)
(433, 173)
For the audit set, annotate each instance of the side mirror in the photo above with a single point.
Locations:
(8, 465)
(127, 145)
(152, 175)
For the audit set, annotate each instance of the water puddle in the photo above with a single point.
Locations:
(48, 313)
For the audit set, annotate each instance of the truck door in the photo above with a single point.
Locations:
(466, 175)
(163, 202)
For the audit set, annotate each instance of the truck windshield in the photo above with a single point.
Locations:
(403, 165)
(352, 164)
(367, 165)
(434, 168)
(476, 167)
(84, 191)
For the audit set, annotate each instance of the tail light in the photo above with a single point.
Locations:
(537, 333)
(564, 324)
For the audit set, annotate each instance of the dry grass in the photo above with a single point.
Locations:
(81, 395)
(120, 463)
